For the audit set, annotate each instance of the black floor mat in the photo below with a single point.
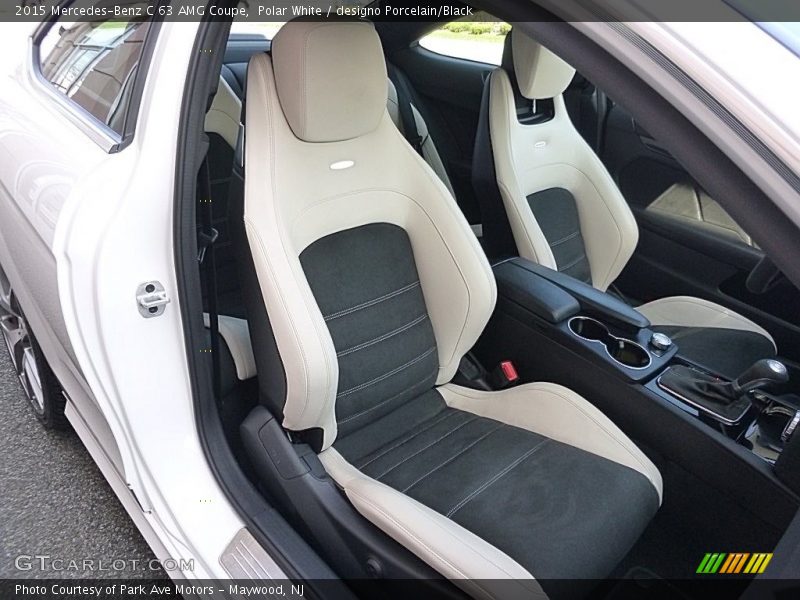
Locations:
(643, 583)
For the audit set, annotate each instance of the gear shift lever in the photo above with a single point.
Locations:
(726, 401)
(762, 373)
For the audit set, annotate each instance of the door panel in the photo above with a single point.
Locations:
(688, 244)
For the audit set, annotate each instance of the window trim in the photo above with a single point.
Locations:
(480, 63)
(109, 140)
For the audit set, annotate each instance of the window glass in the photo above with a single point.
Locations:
(267, 30)
(94, 64)
(478, 37)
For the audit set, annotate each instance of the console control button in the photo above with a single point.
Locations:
(661, 341)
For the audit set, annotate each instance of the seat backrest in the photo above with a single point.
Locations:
(563, 206)
(356, 243)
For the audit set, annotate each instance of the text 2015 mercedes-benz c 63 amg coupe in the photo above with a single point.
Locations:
(498, 301)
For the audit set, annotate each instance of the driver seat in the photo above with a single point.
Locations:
(566, 212)
(375, 287)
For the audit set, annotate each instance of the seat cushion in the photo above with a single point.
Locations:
(709, 334)
(727, 352)
(559, 511)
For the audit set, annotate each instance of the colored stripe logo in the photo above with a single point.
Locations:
(734, 563)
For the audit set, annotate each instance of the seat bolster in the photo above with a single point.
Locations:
(687, 311)
(558, 413)
(474, 565)
(528, 236)
(393, 104)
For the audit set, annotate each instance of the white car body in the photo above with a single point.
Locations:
(78, 214)
(81, 229)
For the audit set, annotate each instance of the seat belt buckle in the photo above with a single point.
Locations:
(205, 240)
(504, 375)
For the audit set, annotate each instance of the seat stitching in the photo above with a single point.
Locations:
(384, 337)
(452, 207)
(614, 217)
(455, 456)
(645, 470)
(374, 301)
(411, 534)
(567, 238)
(573, 263)
(407, 439)
(383, 402)
(608, 433)
(491, 481)
(430, 445)
(391, 373)
(473, 581)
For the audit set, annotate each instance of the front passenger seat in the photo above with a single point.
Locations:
(567, 213)
(375, 288)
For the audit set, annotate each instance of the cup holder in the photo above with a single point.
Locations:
(622, 350)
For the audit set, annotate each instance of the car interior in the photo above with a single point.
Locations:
(473, 326)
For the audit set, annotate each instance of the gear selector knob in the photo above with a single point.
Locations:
(762, 373)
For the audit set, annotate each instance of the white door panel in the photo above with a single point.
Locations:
(43, 158)
(80, 229)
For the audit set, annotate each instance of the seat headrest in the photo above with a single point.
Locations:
(330, 78)
(540, 74)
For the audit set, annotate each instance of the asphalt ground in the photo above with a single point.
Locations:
(54, 502)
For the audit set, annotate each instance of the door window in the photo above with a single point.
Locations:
(94, 64)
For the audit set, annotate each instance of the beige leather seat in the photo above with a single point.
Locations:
(375, 288)
(567, 213)
(223, 119)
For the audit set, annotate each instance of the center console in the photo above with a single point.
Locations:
(556, 328)
(585, 320)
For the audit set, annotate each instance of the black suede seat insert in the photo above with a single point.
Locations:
(556, 213)
(727, 352)
(366, 285)
(560, 512)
